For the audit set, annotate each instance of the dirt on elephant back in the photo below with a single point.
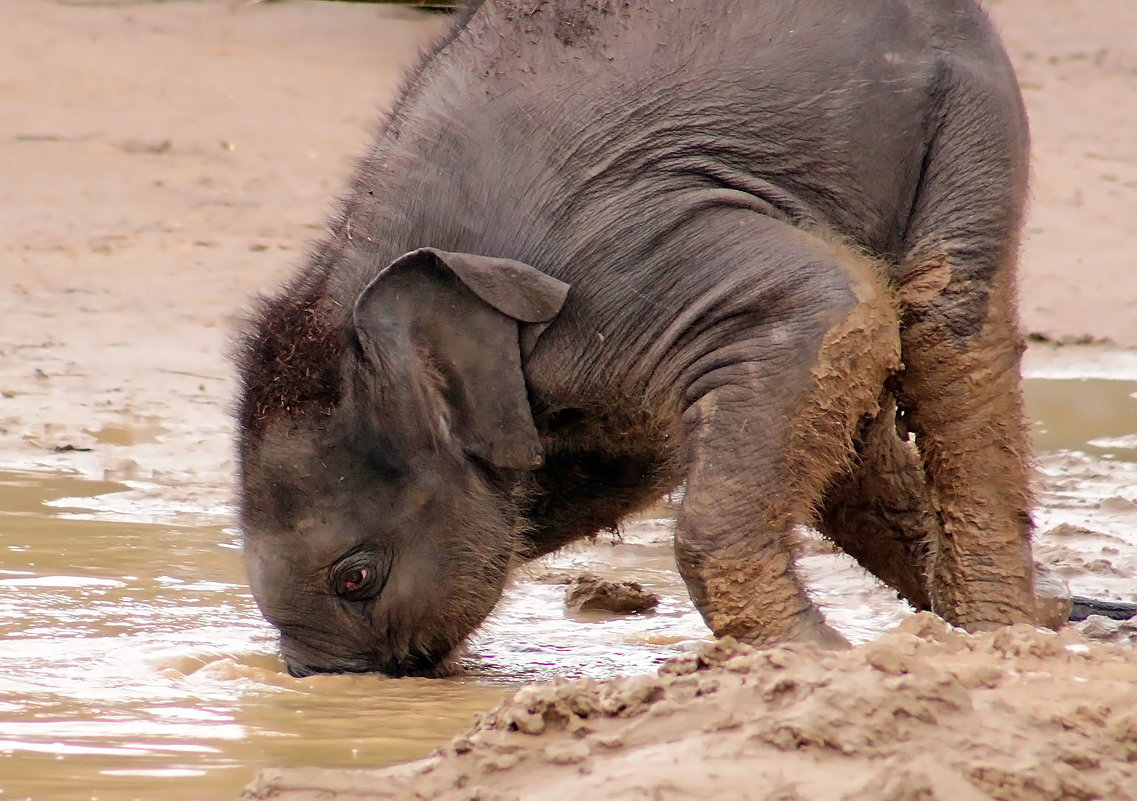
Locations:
(924, 713)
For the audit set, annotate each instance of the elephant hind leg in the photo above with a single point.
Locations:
(880, 513)
(960, 388)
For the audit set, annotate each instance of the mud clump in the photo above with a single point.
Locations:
(1107, 629)
(925, 713)
(590, 593)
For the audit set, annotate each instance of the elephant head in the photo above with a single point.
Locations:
(378, 534)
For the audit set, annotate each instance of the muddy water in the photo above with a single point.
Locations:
(1096, 416)
(133, 663)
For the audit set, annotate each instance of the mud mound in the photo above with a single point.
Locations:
(589, 592)
(926, 713)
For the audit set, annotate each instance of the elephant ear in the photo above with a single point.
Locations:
(462, 314)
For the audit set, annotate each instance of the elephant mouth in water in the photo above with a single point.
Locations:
(302, 659)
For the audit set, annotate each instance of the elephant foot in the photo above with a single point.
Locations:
(808, 627)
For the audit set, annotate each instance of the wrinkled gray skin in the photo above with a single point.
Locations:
(602, 249)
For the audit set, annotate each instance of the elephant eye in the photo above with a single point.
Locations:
(357, 579)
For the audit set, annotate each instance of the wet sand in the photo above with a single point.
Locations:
(163, 161)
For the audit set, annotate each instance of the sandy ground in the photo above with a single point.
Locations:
(924, 713)
(163, 160)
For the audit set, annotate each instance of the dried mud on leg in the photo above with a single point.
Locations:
(965, 404)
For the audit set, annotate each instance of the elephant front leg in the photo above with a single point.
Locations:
(765, 438)
(734, 542)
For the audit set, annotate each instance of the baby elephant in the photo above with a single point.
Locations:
(763, 249)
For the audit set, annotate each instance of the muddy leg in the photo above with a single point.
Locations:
(965, 405)
(960, 390)
(733, 543)
(879, 513)
(766, 433)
